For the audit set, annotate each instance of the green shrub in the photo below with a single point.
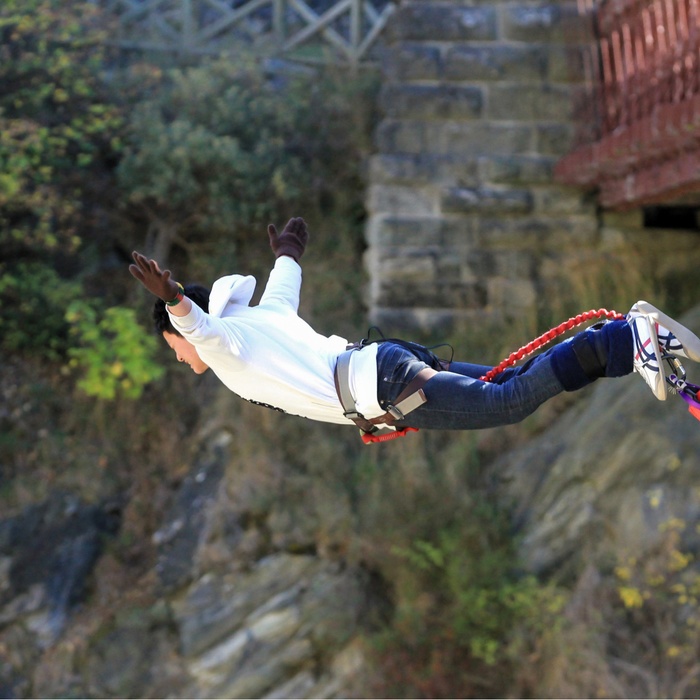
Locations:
(114, 354)
(56, 124)
(465, 615)
(221, 149)
(654, 603)
(34, 299)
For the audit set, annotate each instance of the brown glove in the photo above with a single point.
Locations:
(155, 280)
(292, 241)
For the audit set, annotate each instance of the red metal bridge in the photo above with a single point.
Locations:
(639, 115)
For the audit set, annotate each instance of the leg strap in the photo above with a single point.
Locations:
(579, 361)
(408, 400)
(590, 352)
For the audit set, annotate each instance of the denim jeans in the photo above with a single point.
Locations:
(456, 399)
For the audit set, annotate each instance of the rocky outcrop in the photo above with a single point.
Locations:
(251, 593)
(239, 603)
(46, 555)
(283, 629)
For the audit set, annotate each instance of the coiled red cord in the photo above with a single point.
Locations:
(547, 337)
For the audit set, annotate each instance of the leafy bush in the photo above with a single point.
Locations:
(57, 130)
(655, 603)
(34, 299)
(113, 352)
(203, 158)
(222, 148)
(465, 616)
(55, 121)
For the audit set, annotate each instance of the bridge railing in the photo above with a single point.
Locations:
(349, 28)
(639, 116)
(649, 57)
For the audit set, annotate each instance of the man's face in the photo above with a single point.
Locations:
(185, 352)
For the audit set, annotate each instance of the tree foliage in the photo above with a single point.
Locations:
(465, 615)
(57, 129)
(210, 153)
(34, 298)
(222, 149)
(55, 122)
(116, 357)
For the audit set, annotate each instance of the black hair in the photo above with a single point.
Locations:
(161, 319)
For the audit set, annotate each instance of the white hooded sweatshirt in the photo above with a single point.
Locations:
(268, 355)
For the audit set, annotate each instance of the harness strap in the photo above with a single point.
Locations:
(342, 386)
(590, 353)
(408, 400)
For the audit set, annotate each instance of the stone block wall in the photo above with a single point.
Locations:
(465, 219)
(477, 109)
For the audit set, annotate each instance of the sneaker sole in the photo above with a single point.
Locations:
(688, 339)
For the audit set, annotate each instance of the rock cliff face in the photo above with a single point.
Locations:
(284, 629)
(258, 612)
(252, 593)
(242, 599)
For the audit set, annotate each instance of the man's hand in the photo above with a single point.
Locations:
(292, 241)
(155, 280)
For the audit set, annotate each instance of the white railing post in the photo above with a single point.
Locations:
(355, 26)
(279, 28)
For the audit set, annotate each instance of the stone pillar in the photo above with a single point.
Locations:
(477, 105)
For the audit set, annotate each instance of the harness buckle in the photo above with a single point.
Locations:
(676, 367)
(353, 415)
(395, 412)
(690, 393)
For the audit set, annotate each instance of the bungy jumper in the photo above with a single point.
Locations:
(674, 381)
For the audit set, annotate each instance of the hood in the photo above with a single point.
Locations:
(232, 290)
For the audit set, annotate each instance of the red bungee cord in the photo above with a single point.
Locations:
(547, 337)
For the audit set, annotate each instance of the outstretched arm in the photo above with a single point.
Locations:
(160, 283)
(284, 284)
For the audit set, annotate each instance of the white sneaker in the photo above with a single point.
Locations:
(674, 338)
(647, 355)
(656, 337)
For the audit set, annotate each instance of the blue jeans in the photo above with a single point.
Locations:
(458, 400)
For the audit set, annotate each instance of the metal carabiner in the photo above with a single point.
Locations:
(690, 393)
(678, 371)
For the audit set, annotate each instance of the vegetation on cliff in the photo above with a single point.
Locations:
(139, 501)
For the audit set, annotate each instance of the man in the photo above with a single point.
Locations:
(268, 355)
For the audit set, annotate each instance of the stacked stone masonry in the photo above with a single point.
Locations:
(476, 107)
(465, 220)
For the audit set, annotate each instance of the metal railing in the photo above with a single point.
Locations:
(648, 57)
(345, 29)
(639, 113)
